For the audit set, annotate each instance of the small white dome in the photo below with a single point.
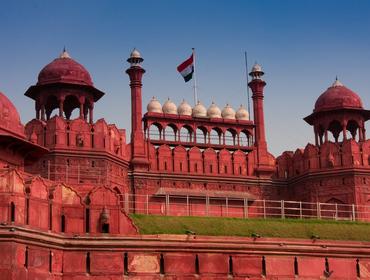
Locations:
(184, 109)
(213, 111)
(256, 68)
(169, 107)
(228, 112)
(199, 111)
(154, 106)
(135, 53)
(242, 114)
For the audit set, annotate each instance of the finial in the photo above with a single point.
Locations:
(337, 83)
(135, 58)
(64, 54)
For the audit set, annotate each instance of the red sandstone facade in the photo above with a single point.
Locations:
(68, 184)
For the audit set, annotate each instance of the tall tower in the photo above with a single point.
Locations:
(139, 157)
(263, 158)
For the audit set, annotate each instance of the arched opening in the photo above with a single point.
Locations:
(201, 135)
(186, 134)
(155, 131)
(215, 136)
(51, 105)
(244, 138)
(170, 133)
(335, 128)
(230, 136)
(352, 127)
(71, 102)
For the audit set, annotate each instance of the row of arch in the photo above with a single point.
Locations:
(200, 161)
(339, 131)
(65, 104)
(201, 135)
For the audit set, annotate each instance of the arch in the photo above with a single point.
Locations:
(244, 138)
(215, 136)
(155, 131)
(51, 104)
(230, 137)
(170, 132)
(335, 128)
(201, 135)
(71, 102)
(352, 127)
(186, 134)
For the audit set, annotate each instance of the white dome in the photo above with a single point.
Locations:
(213, 111)
(135, 54)
(199, 111)
(154, 106)
(184, 109)
(256, 68)
(169, 107)
(242, 114)
(228, 112)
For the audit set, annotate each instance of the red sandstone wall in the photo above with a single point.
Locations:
(43, 263)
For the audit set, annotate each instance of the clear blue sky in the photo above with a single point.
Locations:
(302, 46)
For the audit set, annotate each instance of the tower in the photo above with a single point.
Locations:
(264, 164)
(139, 158)
(338, 111)
(65, 85)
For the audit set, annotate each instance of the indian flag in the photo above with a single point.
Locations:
(186, 68)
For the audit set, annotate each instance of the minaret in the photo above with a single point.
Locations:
(139, 157)
(257, 85)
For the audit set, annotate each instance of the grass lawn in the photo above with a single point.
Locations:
(287, 228)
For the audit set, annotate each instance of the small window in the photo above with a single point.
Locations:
(62, 223)
(105, 228)
(12, 212)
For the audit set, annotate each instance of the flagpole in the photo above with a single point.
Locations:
(246, 70)
(195, 80)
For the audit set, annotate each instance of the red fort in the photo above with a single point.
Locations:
(68, 184)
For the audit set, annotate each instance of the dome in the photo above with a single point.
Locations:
(64, 70)
(214, 111)
(184, 109)
(336, 97)
(199, 111)
(256, 68)
(9, 117)
(169, 107)
(154, 106)
(228, 112)
(135, 53)
(242, 114)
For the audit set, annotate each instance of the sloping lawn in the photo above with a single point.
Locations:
(287, 228)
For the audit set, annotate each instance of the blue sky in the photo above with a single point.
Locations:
(302, 46)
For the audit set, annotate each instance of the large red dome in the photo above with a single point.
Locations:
(338, 97)
(9, 117)
(64, 70)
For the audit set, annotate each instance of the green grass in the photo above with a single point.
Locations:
(287, 228)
